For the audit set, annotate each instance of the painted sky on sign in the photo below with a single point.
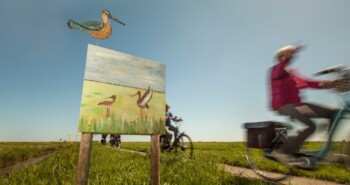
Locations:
(106, 65)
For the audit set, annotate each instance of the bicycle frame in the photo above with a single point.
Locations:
(177, 134)
(322, 153)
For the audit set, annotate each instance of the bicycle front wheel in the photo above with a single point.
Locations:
(184, 148)
(265, 165)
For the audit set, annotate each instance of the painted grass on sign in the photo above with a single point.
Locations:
(124, 115)
(115, 124)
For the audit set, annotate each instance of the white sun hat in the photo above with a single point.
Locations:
(289, 48)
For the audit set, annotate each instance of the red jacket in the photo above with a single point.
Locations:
(285, 86)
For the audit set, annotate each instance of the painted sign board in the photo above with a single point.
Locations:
(122, 94)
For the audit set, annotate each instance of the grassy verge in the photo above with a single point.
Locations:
(112, 166)
(233, 153)
(14, 152)
(120, 167)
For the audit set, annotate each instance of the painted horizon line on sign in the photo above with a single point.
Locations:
(123, 85)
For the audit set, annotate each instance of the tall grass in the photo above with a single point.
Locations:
(111, 166)
(233, 153)
(14, 152)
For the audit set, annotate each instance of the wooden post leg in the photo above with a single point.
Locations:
(155, 152)
(84, 159)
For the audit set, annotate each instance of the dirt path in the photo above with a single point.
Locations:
(132, 151)
(22, 164)
(292, 180)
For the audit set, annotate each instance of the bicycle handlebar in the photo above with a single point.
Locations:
(333, 69)
(177, 119)
(342, 83)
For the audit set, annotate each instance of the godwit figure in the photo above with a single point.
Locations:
(99, 30)
(144, 99)
(108, 104)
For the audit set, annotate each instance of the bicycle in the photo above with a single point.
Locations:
(114, 140)
(103, 139)
(264, 137)
(182, 143)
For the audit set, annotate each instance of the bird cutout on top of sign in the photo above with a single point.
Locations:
(122, 94)
(97, 29)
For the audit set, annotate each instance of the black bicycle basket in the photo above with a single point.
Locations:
(260, 134)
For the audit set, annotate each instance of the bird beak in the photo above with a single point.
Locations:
(133, 95)
(116, 20)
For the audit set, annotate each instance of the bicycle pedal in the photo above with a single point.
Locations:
(167, 150)
(302, 165)
(295, 163)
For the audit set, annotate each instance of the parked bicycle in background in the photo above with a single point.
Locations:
(181, 144)
(114, 140)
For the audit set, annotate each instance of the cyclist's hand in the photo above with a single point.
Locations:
(341, 84)
(326, 84)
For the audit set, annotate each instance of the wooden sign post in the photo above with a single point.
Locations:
(84, 159)
(155, 153)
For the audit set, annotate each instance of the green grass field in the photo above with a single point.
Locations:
(233, 153)
(111, 165)
(12, 153)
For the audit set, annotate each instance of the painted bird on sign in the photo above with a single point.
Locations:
(108, 104)
(99, 30)
(143, 100)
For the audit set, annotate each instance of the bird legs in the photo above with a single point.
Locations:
(108, 114)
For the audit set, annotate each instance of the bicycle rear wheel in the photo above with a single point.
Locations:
(163, 144)
(184, 148)
(265, 166)
(346, 153)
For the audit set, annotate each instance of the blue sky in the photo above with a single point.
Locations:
(217, 54)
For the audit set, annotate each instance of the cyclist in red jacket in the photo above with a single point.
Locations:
(285, 98)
